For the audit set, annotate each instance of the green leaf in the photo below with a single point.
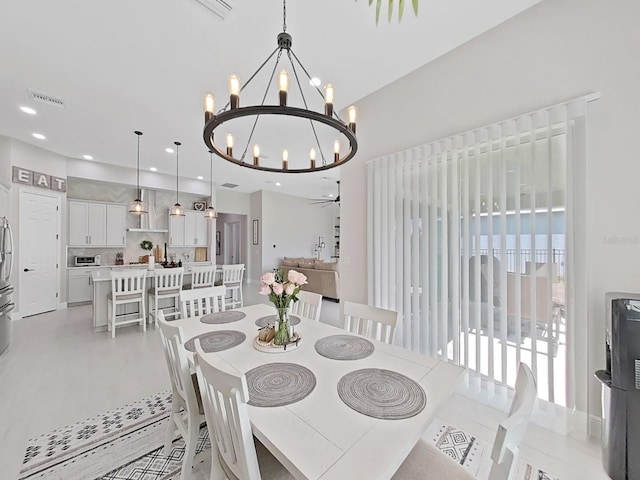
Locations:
(400, 9)
(378, 5)
(390, 11)
(415, 6)
(370, 2)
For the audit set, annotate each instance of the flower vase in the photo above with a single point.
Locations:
(282, 327)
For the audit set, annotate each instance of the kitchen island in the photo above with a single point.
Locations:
(102, 288)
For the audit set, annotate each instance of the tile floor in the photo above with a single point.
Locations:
(57, 371)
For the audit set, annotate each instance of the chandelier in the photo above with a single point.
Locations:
(343, 146)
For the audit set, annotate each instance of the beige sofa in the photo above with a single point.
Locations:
(322, 278)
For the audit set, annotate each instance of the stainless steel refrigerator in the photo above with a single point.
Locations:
(6, 289)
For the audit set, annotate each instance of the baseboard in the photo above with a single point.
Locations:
(15, 315)
(62, 306)
(595, 427)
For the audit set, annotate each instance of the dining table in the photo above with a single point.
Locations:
(320, 435)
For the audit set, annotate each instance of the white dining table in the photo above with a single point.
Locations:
(320, 437)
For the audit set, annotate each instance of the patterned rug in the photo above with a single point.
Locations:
(123, 444)
(465, 449)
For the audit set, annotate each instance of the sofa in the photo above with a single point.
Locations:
(322, 278)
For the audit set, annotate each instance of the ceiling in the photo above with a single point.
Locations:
(125, 65)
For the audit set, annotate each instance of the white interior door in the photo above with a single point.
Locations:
(39, 274)
(232, 243)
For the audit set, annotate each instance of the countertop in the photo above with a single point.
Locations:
(103, 274)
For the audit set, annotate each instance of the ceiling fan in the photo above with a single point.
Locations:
(326, 201)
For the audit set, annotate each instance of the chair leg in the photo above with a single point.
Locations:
(190, 448)
(113, 319)
(171, 428)
(240, 295)
(143, 317)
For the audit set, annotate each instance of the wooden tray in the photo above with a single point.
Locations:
(269, 347)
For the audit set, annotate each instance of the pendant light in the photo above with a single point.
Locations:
(137, 207)
(210, 213)
(177, 210)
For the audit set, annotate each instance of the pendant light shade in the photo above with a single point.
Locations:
(177, 210)
(137, 207)
(211, 213)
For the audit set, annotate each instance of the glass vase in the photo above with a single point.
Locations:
(282, 333)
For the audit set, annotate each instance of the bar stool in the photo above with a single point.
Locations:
(167, 284)
(126, 287)
(202, 277)
(232, 280)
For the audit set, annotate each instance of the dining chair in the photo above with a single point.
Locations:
(127, 286)
(202, 277)
(201, 301)
(426, 462)
(186, 413)
(224, 398)
(308, 305)
(373, 322)
(232, 280)
(167, 284)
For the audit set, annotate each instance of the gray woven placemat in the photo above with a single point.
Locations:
(223, 317)
(277, 384)
(344, 347)
(382, 394)
(216, 341)
(262, 321)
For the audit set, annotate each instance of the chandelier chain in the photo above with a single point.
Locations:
(264, 97)
(284, 15)
(304, 101)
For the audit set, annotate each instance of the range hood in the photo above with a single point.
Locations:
(148, 220)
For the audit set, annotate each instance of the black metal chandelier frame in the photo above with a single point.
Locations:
(232, 111)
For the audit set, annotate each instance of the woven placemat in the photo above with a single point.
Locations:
(344, 347)
(382, 394)
(216, 341)
(262, 321)
(223, 317)
(277, 384)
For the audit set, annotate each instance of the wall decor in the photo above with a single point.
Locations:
(255, 232)
(217, 242)
(37, 179)
(200, 206)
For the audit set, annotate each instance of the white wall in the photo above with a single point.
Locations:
(290, 227)
(5, 161)
(558, 49)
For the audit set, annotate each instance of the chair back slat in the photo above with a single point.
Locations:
(177, 363)
(511, 430)
(169, 279)
(129, 282)
(202, 277)
(308, 305)
(201, 301)
(373, 322)
(224, 396)
(232, 273)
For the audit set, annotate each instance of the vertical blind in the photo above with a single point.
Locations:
(470, 240)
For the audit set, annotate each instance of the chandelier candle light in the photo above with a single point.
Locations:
(232, 110)
(281, 293)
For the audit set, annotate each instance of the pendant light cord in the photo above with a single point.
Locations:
(177, 162)
(138, 165)
(211, 178)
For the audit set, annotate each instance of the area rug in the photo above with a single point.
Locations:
(465, 449)
(122, 444)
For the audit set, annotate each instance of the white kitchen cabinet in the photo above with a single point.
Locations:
(189, 230)
(116, 225)
(96, 224)
(79, 286)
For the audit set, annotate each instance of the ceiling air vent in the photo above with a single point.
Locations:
(229, 185)
(219, 7)
(46, 98)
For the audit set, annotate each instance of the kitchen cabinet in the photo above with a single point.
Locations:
(190, 230)
(80, 285)
(96, 224)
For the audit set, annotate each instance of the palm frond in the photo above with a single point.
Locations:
(390, 8)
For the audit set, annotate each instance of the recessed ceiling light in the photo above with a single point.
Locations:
(278, 184)
(169, 150)
(200, 177)
(153, 169)
(315, 81)
(87, 157)
(28, 110)
(39, 136)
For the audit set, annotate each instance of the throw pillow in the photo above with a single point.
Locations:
(289, 263)
(308, 260)
(327, 266)
(306, 265)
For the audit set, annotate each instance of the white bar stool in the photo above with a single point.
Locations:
(232, 280)
(126, 287)
(167, 284)
(202, 277)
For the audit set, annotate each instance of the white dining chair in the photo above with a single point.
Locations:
(186, 413)
(232, 280)
(201, 301)
(373, 322)
(426, 462)
(308, 305)
(167, 284)
(126, 287)
(224, 398)
(202, 277)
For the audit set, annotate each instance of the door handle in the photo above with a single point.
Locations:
(29, 269)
